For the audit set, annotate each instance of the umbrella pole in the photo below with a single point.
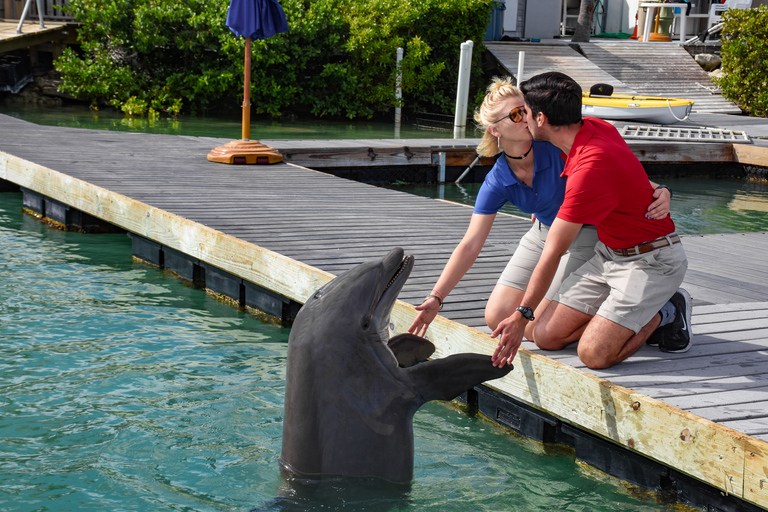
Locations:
(246, 151)
(247, 91)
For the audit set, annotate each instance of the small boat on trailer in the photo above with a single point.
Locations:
(599, 102)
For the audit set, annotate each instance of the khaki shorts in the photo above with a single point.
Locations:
(518, 272)
(627, 290)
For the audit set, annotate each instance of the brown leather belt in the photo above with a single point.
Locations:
(649, 246)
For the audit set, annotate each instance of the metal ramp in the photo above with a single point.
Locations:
(684, 134)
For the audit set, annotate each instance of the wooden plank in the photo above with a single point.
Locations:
(553, 57)
(358, 157)
(680, 152)
(32, 35)
(750, 155)
(756, 472)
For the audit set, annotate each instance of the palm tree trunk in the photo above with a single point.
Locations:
(584, 23)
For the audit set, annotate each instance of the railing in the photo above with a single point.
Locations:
(51, 10)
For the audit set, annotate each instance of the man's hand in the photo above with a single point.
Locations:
(510, 332)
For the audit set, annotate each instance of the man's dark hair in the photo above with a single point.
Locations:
(555, 94)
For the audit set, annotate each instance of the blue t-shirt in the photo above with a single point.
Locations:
(543, 198)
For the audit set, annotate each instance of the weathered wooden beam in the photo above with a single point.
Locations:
(646, 152)
(681, 152)
(318, 158)
(749, 154)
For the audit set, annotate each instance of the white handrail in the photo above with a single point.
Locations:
(26, 10)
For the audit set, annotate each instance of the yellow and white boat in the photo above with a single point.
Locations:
(648, 109)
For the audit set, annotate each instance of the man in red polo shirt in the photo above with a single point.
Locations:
(628, 293)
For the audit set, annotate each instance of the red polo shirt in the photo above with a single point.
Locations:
(608, 187)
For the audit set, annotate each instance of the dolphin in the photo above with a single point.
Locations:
(350, 391)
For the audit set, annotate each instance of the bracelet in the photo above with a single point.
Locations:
(666, 187)
(442, 297)
(432, 296)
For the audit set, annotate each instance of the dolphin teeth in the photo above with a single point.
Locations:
(397, 274)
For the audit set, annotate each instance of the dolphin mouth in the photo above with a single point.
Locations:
(405, 264)
(398, 267)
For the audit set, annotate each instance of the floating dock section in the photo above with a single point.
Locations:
(268, 236)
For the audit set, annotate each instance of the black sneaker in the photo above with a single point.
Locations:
(655, 337)
(677, 336)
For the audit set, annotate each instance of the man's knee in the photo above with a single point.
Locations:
(545, 337)
(590, 355)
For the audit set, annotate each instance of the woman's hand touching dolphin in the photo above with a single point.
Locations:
(427, 312)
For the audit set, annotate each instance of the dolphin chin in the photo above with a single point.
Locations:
(351, 393)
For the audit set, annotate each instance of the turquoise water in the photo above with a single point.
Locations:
(229, 126)
(699, 206)
(121, 389)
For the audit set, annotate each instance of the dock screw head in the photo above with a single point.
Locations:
(631, 443)
(635, 406)
(685, 435)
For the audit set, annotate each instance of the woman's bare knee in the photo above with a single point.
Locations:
(493, 317)
(502, 303)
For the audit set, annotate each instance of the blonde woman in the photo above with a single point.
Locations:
(526, 174)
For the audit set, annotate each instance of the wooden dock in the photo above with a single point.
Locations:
(32, 35)
(289, 229)
(652, 69)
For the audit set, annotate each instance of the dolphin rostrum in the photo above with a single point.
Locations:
(350, 392)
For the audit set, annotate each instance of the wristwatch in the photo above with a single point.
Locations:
(666, 187)
(526, 312)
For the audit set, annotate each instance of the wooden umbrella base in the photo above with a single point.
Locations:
(657, 37)
(245, 152)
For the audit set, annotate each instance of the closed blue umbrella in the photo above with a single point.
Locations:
(257, 19)
(251, 19)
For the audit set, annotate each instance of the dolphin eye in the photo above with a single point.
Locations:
(366, 322)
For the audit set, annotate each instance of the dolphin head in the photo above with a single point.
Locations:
(362, 298)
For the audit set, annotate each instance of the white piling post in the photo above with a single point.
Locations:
(441, 167)
(465, 64)
(398, 92)
(520, 66)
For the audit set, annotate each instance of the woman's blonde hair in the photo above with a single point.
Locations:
(490, 112)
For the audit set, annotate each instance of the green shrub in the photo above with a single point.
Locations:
(745, 66)
(338, 59)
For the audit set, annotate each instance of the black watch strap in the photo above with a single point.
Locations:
(666, 187)
(526, 312)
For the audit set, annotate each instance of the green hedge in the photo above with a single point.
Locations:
(745, 65)
(338, 59)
